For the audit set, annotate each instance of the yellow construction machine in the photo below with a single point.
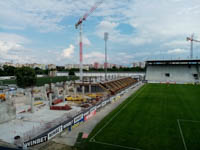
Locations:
(2, 96)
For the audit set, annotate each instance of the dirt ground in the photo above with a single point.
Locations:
(55, 146)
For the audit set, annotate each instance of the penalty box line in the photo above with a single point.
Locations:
(180, 129)
(181, 132)
(183, 120)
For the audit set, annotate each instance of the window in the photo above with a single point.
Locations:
(167, 74)
(195, 76)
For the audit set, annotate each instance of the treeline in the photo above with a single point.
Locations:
(114, 69)
(12, 71)
(26, 77)
(126, 69)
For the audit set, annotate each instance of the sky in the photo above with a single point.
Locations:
(43, 31)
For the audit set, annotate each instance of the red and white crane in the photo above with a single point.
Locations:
(79, 24)
(191, 46)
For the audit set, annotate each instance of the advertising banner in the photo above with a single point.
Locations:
(93, 108)
(90, 115)
(66, 125)
(36, 141)
(86, 113)
(98, 106)
(78, 118)
(55, 132)
(103, 103)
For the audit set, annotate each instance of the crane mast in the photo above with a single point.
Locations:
(191, 39)
(79, 24)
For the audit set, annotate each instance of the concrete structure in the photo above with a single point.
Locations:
(7, 110)
(176, 71)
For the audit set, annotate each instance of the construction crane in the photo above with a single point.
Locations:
(79, 24)
(191, 46)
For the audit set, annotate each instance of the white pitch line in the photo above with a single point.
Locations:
(114, 116)
(115, 145)
(182, 134)
(195, 121)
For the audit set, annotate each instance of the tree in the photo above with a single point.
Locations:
(2, 73)
(71, 73)
(9, 70)
(26, 77)
(114, 67)
(39, 71)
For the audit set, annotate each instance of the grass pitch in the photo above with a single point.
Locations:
(157, 117)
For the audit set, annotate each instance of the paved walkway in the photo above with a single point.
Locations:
(70, 137)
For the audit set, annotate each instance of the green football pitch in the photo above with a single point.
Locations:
(156, 117)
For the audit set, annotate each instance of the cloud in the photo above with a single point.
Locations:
(170, 18)
(177, 51)
(12, 48)
(85, 40)
(139, 40)
(114, 33)
(177, 43)
(116, 36)
(9, 46)
(68, 52)
(47, 15)
(10, 51)
(156, 24)
(94, 57)
(14, 38)
(107, 26)
(20, 14)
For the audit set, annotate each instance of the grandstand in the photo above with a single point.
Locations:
(173, 71)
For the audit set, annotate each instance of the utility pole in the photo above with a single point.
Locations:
(191, 39)
(106, 63)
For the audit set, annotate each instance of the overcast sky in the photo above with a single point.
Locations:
(43, 31)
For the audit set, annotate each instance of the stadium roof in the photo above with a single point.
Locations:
(183, 61)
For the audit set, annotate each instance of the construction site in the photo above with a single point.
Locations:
(29, 115)
(35, 115)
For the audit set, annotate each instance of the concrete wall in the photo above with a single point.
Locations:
(94, 89)
(7, 112)
(178, 73)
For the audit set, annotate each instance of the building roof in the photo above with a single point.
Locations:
(182, 61)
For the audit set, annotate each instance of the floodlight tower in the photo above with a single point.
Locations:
(106, 39)
(79, 24)
(191, 45)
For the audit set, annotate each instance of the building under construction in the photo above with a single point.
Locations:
(28, 115)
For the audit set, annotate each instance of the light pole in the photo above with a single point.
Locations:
(106, 39)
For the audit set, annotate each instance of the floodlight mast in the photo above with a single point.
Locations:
(106, 63)
(191, 39)
(79, 24)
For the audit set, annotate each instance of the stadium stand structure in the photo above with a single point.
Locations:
(115, 86)
(111, 87)
(173, 71)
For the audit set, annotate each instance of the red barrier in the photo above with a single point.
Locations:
(66, 107)
(57, 101)
(93, 113)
